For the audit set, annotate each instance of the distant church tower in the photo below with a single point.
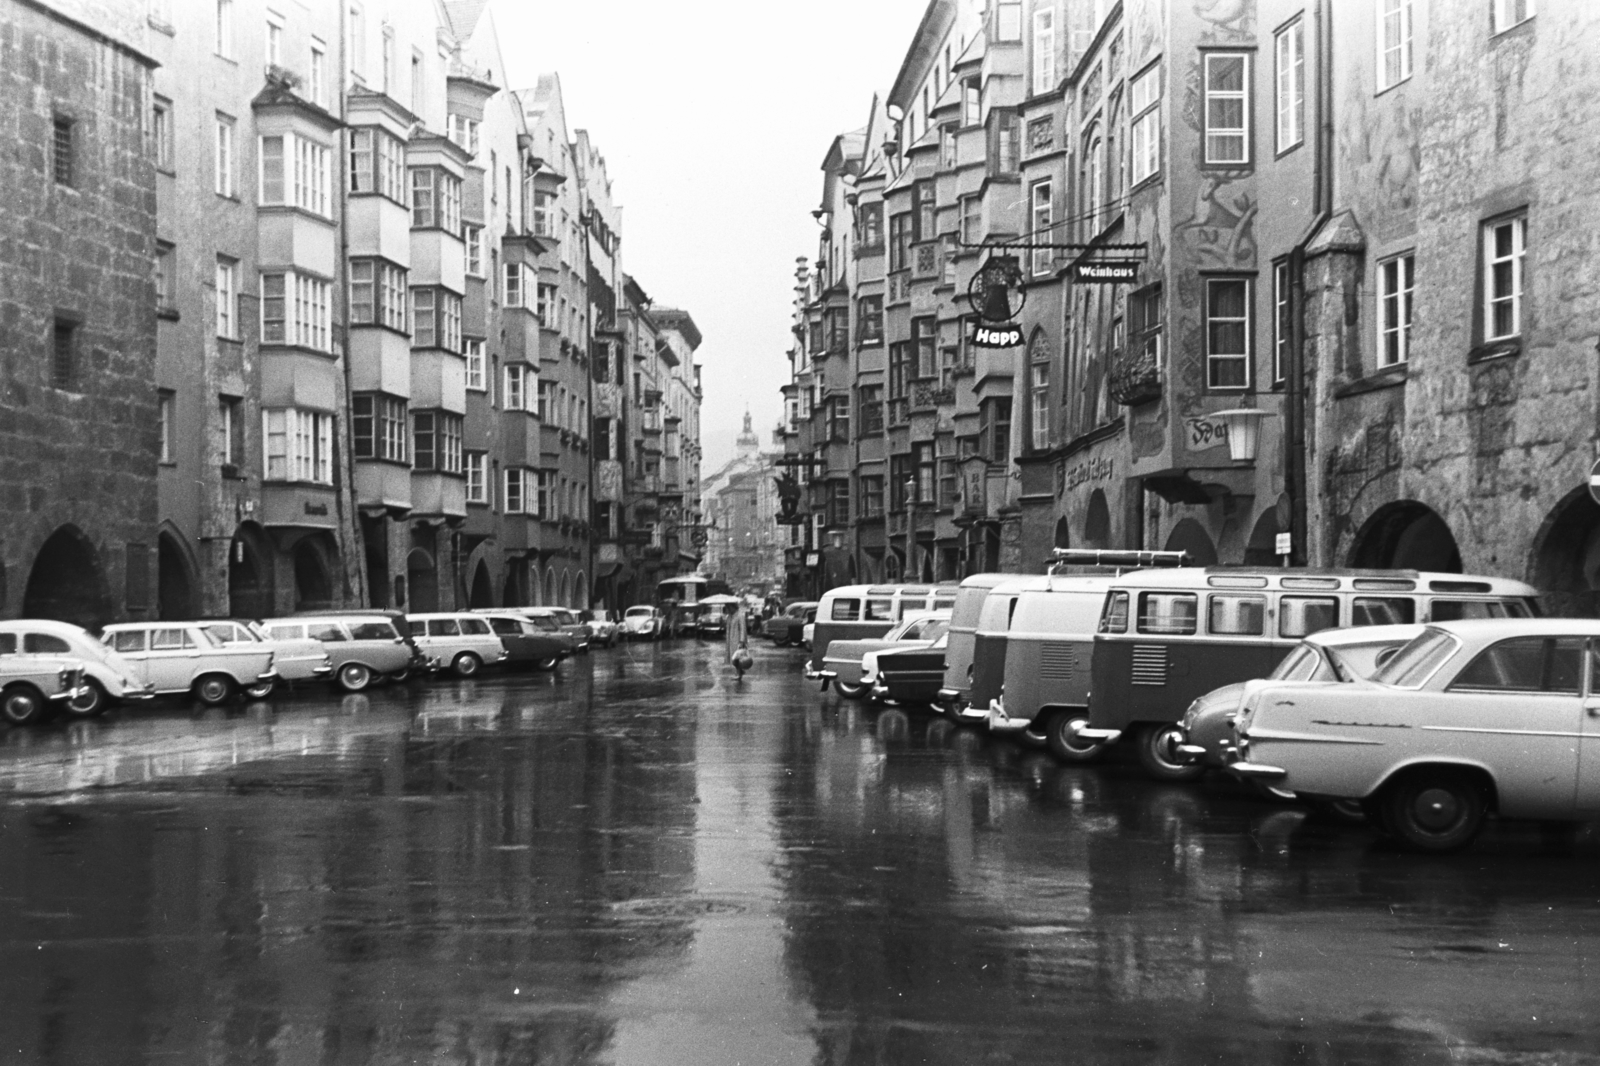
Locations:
(749, 443)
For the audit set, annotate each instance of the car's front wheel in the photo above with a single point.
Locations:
(1158, 753)
(547, 664)
(849, 691)
(259, 692)
(1436, 810)
(466, 664)
(23, 704)
(214, 689)
(1061, 737)
(91, 700)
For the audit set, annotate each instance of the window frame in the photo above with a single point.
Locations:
(1144, 112)
(1402, 299)
(1518, 222)
(1289, 97)
(1282, 321)
(1404, 46)
(1245, 358)
(224, 148)
(227, 298)
(1041, 220)
(1043, 71)
(1209, 131)
(1498, 23)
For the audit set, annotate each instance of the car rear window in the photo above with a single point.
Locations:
(505, 626)
(845, 610)
(372, 631)
(443, 627)
(1525, 664)
(1299, 665)
(1415, 663)
(45, 644)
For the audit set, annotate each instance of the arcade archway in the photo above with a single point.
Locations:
(482, 592)
(1190, 536)
(422, 576)
(313, 558)
(1063, 533)
(67, 582)
(249, 576)
(1262, 548)
(1406, 535)
(1565, 566)
(1097, 522)
(175, 578)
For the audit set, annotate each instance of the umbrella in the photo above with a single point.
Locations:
(719, 600)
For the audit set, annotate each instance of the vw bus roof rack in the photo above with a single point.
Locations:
(1121, 560)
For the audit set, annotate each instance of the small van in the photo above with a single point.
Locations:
(958, 647)
(362, 648)
(1168, 636)
(988, 670)
(859, 612)
(460, 640)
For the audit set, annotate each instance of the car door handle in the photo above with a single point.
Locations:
(1594, 710)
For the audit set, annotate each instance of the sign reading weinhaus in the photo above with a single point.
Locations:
(1105, 272)
(1007, 335)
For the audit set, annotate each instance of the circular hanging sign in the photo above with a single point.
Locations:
(995, 291)
(1594, 481)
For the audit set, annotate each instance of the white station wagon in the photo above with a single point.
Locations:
(178, 657)
(1496, 715)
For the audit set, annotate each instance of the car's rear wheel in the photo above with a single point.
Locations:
(1061, 737)
(466, 664)
(1158, 753)
(22, 704)
(849, 691)
(353, 677)
(1435, 810)
(214, 689)
(91, 701)
(548, 663)
(259, 692)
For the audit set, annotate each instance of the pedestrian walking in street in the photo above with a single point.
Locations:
(738, 644)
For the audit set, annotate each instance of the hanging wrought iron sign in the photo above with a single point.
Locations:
(995, 292)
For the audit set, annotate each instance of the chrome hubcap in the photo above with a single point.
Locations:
(1436, 809)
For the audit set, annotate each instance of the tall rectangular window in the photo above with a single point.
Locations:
(971, 102)
(1008, 20)
(1291, 86)
(869, 312)
(164, 402)
(224, 29)
(62, 163)
(477, 464)
(899, 242)
(64, 354)
(516, 490)
(1044, 50)
(274, 41)
(1008, 142)
(424, 320)
(271, 191)
(165, 279)
(1504, 250)
(926, 472)
(1227, 333)
(1144, 134)
(1227, 107)
(424, 207)
(871, 410)
(317, 74)
(513, 287)
(161, 131)
(1039, 218)
(230, 412)
(1394, 42)
(475, 368)
(1145, 321)
(274, 308)
(925, 343)
(227, 298)
(1282, 323)
(472, 238)
(224, 184)
(1397, 282)
(1039, 408)
(515, 396)
(1509, 13)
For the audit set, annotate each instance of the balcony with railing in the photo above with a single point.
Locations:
(930, 394)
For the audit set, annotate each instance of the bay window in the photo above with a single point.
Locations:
(436, 441)
(377, 294)
(516, 490)
(296, 309)
(516, 392)
(435, 319)
(377, 163)
(299, 445)
(435, 199)
(378, 427)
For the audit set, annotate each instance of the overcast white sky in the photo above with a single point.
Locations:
(714, 117)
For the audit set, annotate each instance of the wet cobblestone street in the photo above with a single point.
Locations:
(638, 860)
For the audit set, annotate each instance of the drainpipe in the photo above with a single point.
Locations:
(344, 468)
(1322, 202)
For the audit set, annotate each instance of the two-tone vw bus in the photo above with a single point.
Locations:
(988, 671)
(963, 632)
(1168, 636)
(860, 612)
(1050, 645)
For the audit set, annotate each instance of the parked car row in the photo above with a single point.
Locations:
(1425, 701)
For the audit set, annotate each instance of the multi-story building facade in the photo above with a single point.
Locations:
(744, 545)
(1321, 235)
(370, 333)
(81, 428)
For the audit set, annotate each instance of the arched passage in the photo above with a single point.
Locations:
(1190, 536)
(580, 590)
(550, 588)
(249, 579)
(313, 559)
(1406, 535)
(175, 580)
(1063, 533)
(67, 583)
(422, 577)
(1262, 548)
(565, 591)
(1097, 521)
(1565, 566)
(482, 592)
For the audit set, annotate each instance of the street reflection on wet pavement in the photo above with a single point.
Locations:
(642, 861)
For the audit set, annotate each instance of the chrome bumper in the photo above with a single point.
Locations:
(879, 690)
(1102, 736)
(325, 670)
(813, 674)
(271, 677)
(1258, 771)
(1001, 722)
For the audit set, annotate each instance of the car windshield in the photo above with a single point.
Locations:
(1301, 664)
(638, 612)
(1415, 663)
(544, 621)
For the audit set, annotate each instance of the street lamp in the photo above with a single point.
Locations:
(911, 526)
(1244, 431)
